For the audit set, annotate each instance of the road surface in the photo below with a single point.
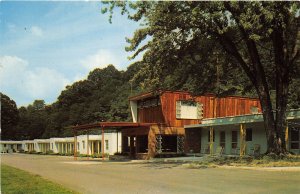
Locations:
(144, 177)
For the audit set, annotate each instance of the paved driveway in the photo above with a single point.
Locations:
(139, 177)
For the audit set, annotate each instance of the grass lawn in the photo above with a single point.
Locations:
(14, 180)
(246, 161)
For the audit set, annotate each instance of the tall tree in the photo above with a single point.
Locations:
(9, 117)
(262, 39)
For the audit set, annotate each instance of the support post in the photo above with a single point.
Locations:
(75, 145)
(92, 145)
(117, 142)
(136, 144)
(287, 137)
(242, 140)
(131, 146)
(102, 142)
(98, 143)
(87, 146)
(211, 140)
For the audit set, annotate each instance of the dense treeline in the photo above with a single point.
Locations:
(103, 96)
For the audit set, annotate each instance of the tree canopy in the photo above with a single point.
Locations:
(9, 117)
(192, 38)
(103, 96)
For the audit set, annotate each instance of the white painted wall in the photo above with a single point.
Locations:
(189, 112)
(258, 137)
(112, 138)
(133, 108)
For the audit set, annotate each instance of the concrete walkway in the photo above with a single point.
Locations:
(151, 177)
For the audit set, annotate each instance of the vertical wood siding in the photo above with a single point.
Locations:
(212, 107)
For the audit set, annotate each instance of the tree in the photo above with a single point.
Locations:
(9, 117)
(261, 38)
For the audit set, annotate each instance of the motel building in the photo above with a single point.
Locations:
(28, 145)
(42, 145)
(243, 134)
(170, 123)
(86, 144)
(182, 123)
(10, 146)
(169, 114)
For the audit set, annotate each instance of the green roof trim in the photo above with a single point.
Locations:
(253, 118)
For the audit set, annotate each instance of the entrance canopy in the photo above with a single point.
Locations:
(104, 126)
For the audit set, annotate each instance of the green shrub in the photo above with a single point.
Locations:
(49, 152)
(54, 153)
(121, 154)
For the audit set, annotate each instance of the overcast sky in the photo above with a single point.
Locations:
(48, 45)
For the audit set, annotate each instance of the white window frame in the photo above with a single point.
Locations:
(178, 109)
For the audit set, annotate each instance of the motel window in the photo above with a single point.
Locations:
(106, 144)
(187, 109)
(254, 109)
(52, 146)
(150, 102)
(128, 141)
(78, 145)
(295, 138)
(4, 145)
(222, 139)
(249, 134)
(83, 145)
(209, 136)
(234, 139)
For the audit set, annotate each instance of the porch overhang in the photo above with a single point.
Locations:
(104, 126)
(111, 124)
(293, 114)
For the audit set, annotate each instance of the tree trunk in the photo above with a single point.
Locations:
(269, 121)
(281, 107)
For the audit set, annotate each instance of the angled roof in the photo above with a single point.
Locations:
(241, 119)
(154, 93)
(10, 142)
(160, 92)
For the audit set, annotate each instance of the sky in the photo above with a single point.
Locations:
(45, 46)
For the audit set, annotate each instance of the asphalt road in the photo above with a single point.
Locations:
(144, 177)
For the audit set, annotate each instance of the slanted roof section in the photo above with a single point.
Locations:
(144, 95)
(253, 118)
(42, 140)
(154, 93)
(111, 124)
(160, 92)
(10, 142)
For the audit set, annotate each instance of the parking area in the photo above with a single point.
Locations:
(95, 176)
